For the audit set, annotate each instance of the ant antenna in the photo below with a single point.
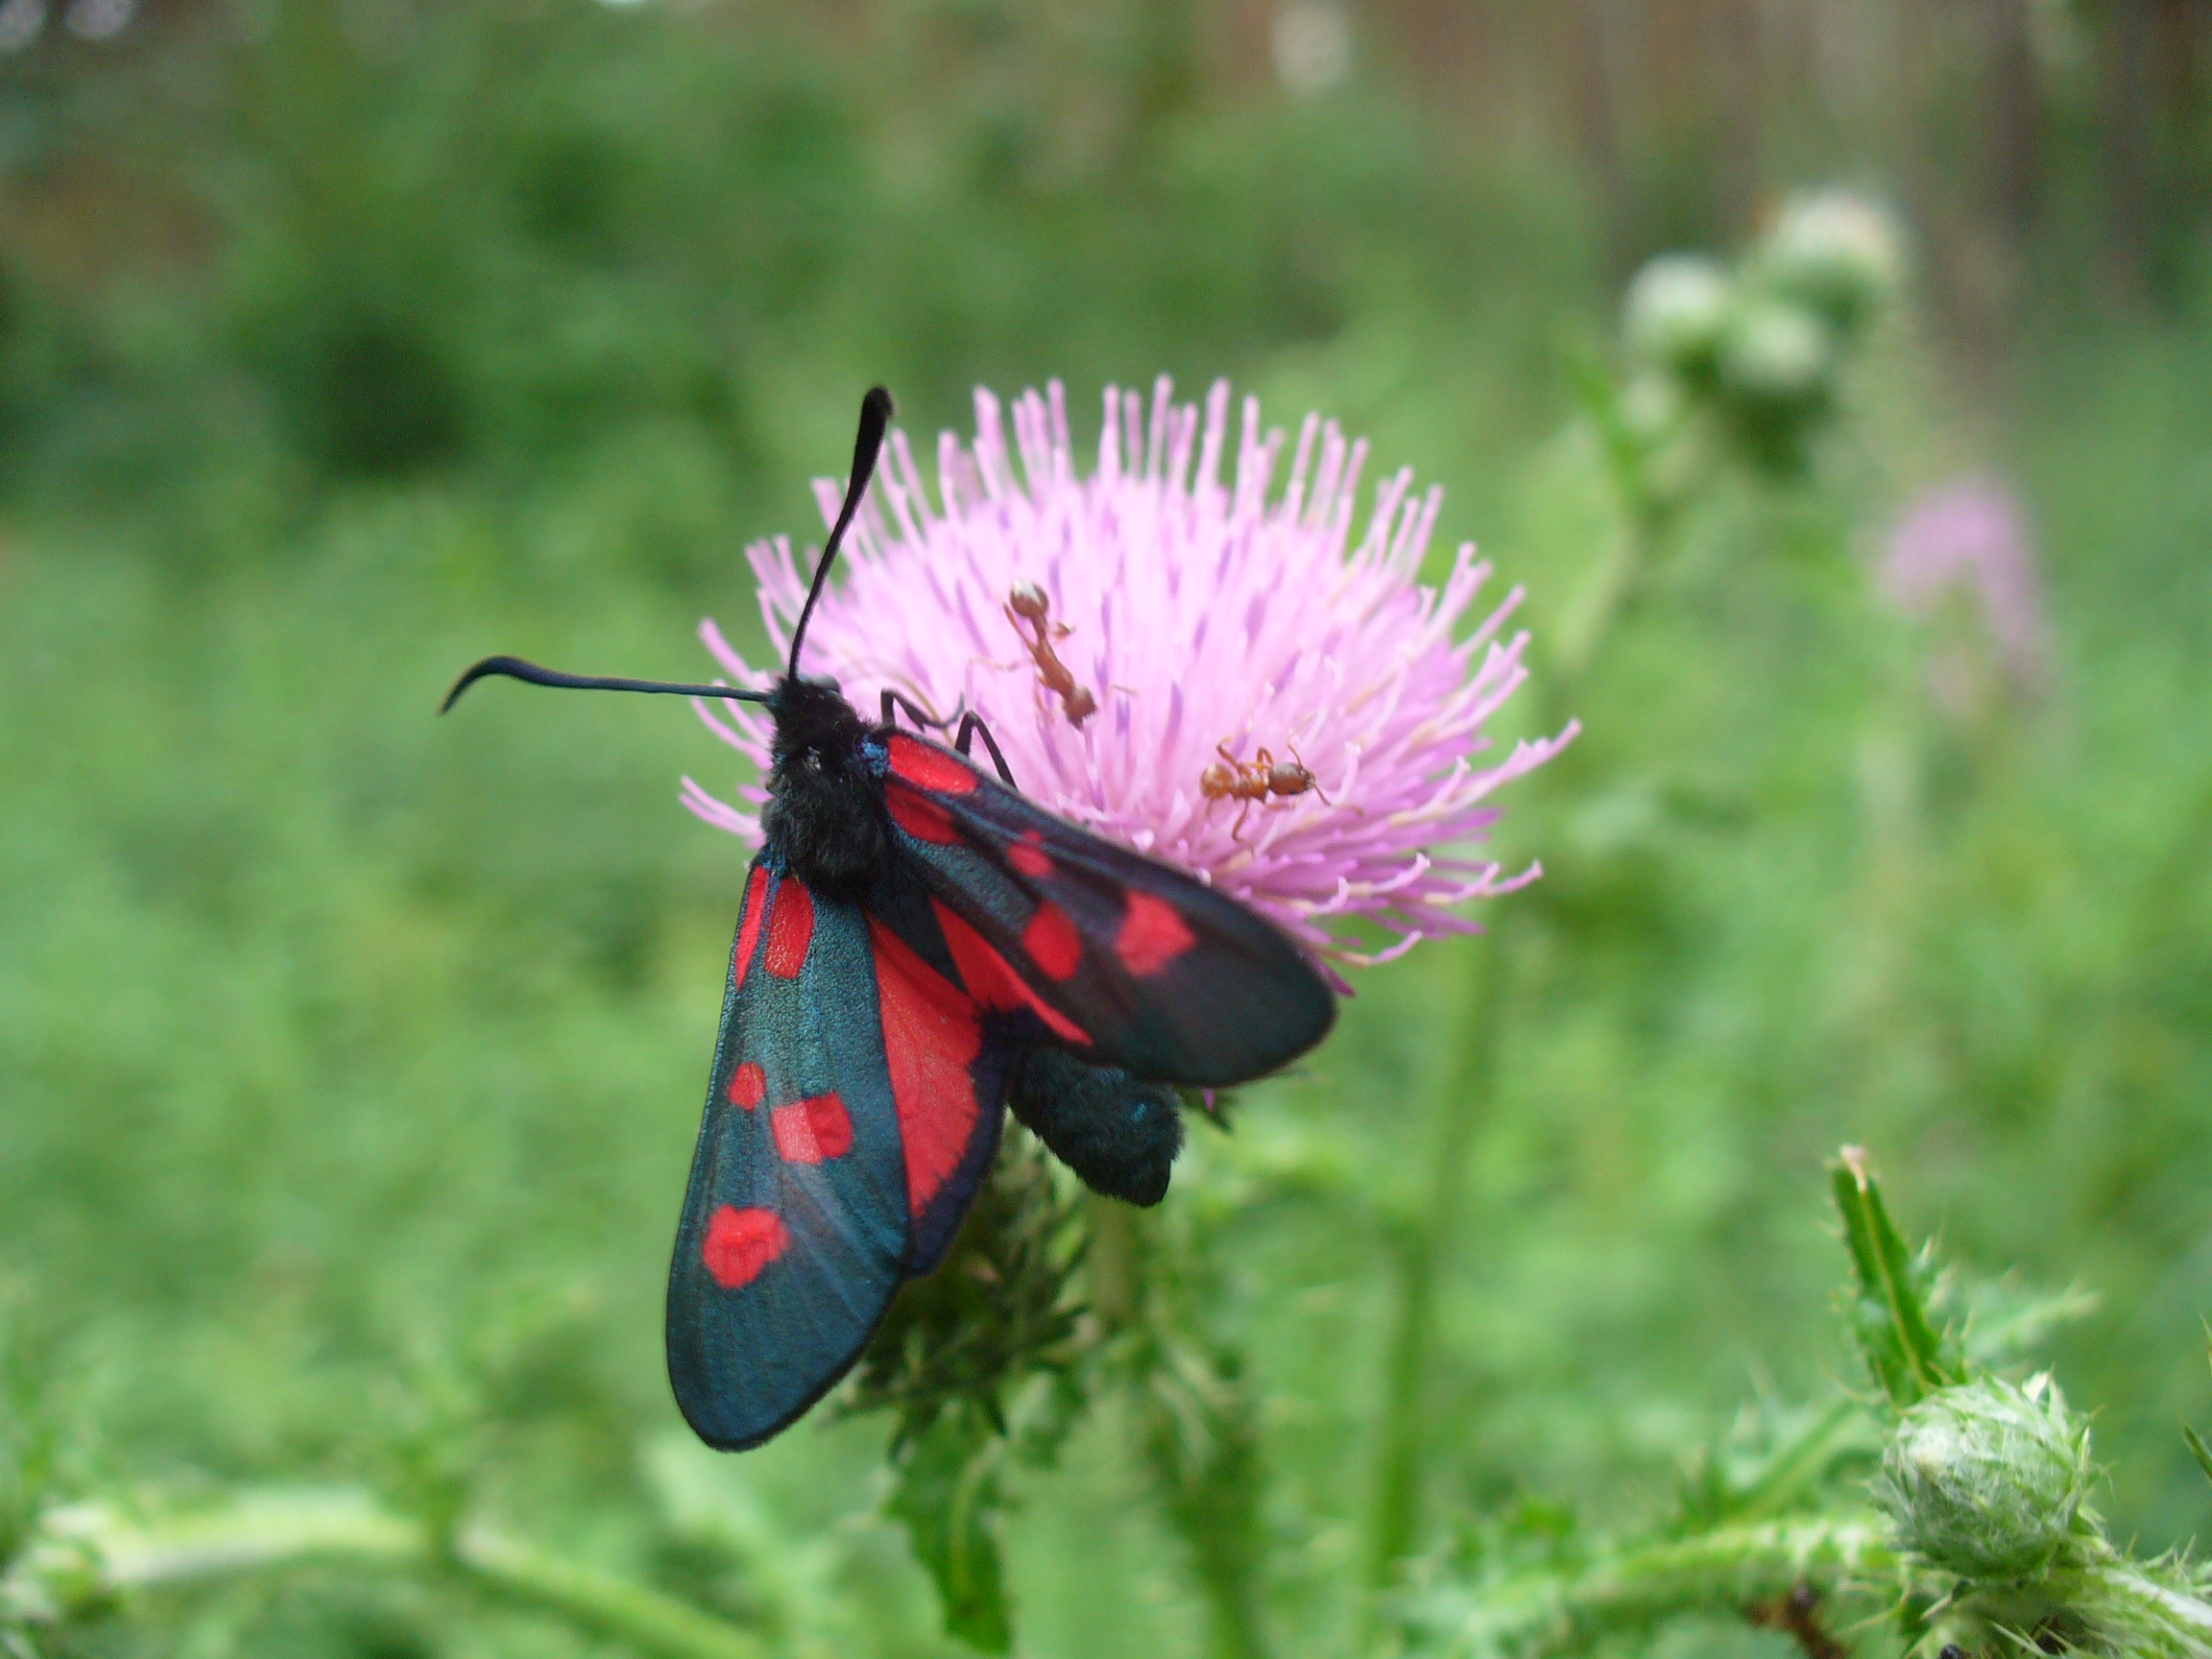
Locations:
(867, 444)
(515, 668)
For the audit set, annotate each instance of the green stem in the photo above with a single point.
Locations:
(1607, 596)
(85, 1556)
(1199, 1430)
(2178, 1622)
(1465, 1084)
(605, 1603)
(1117, 1276)
(1535, 1613)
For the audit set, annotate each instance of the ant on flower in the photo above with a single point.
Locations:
(1256, 779)
(1028, 602)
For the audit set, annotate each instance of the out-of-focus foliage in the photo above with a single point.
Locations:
(352, 1057)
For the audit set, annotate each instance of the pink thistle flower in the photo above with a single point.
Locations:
(1969, 540)
(1201, 616)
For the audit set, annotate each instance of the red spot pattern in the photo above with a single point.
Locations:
(992, 981)
(749, 922)
(920, 816)
(810, 1131)
(1152, 935)
(747, 1085)
(1052, 941)
(930, 1039)
(740, 1243)
(791, 930)
(926, 767)
(1029, 858)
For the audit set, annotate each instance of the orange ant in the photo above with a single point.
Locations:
(1255, 780)
(1026, 602)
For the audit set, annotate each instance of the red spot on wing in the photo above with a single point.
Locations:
(747, 1084)
(810, 1130)
(920, 816)
(1152, 935)
(1052, 941)
(992, 981)
(930, 1039)
(1029, 858)
(740, 1243)
(791, 930)
(749, 922)
(930, 768)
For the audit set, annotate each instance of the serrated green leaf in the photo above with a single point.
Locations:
(2005, 1323)
(1909, 1356)
(947, 1495)
(2197, 1450)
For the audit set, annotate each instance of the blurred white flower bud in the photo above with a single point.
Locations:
(1834, 252)
(1775, 352)
(1677, 310)
(1985, 1480)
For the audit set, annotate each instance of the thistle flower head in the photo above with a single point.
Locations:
(1210, 664)
(1987, 1478)
(1969, 540)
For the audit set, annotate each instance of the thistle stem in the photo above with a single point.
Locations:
(1608, 595)
(1422, 1244)
(604, 1602)
(2184, 1620)
(85, 1556)
(1541, 1611)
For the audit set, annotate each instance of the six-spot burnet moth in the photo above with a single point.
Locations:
(920, 947)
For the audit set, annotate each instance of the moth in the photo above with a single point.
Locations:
(920, 947)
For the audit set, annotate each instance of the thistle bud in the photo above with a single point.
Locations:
(1677, 311)
(1776, 353)
(1836, 252)
(1986, 1480)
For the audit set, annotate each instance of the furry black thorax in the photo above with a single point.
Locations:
(825, 819)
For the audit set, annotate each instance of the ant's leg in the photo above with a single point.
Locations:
(971, 727)
(915, 712)
(1235, 829)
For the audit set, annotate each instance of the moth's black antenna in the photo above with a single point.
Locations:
(875, 416)
(515, 668)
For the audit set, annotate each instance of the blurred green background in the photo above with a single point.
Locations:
(349, 1060)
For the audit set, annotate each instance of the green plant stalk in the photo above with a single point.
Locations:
(1530, 1614)
(1198, 1432)
(2108, 1603)
(1421, 1245)
(1116, 1274)
(603, 1602)
(2147, 1617)
(1220, 1524)
(84, 1557)
(1396, 1500)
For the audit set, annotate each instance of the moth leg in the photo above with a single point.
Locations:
(971, 727)
(915, 712)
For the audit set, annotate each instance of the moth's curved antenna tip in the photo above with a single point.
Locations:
(516, 668)
(476, 671)
(877, 407)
